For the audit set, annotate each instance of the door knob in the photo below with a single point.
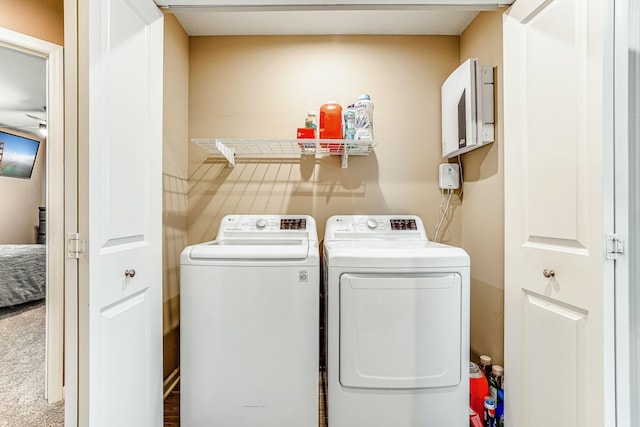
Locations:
(130, 273)
(548, 273)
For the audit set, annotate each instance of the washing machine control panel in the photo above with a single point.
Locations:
(263, 225)
(374, 226)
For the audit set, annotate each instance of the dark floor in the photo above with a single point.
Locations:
(172, 406)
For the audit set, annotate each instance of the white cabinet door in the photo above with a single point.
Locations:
(120, 176)
(553, 78)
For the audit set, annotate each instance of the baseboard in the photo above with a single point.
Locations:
(171, 382)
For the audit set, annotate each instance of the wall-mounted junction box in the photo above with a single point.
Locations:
(467, 109)
(449, 176)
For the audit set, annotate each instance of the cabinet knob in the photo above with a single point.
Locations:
(548, 273)
(130, 273)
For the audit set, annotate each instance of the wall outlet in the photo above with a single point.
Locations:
(449, 176)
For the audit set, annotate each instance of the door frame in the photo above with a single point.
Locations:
(610, 186)
(55, 292)
(626, 93)
(72, 324)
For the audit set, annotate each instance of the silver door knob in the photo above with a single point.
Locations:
(548, 273)
(130, 273)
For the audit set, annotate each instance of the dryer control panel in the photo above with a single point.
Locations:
(390, 227)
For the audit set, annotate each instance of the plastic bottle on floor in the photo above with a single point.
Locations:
(485, 365)
(478, 389)
(495, 381)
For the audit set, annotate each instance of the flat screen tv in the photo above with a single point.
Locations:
(17, 155)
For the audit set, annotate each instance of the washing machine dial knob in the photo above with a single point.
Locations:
(372, 224)
(261, 223)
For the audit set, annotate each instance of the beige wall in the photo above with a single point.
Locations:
(263, 86)
(482, 216)
(20, 201)
(175, 175)
(42, 19)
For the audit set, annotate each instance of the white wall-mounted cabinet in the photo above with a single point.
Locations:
(467, 4)
(279, 17)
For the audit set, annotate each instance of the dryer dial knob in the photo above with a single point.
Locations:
(261, 223)
(372, 224)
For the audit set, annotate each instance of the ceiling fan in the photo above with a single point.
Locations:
(42, 122)
(12, 121)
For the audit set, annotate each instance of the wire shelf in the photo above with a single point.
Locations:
(235, 148)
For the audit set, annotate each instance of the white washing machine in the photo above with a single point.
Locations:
(249, 322)
(397, 325)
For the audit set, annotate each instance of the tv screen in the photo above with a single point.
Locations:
(17, 155)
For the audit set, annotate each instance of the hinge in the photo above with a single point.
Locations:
(75, 245)
(615, 246)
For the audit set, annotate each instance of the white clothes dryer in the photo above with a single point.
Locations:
(397, 325)
(249, 322)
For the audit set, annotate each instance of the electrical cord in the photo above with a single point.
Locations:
(443, 212)
(461, 180)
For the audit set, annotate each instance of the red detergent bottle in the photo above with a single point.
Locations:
(331, 124)
(478, 389)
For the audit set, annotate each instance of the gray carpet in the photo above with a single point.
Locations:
(22, 358)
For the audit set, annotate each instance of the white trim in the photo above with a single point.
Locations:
(55, 204)
(627, 86)
(332, 4)
(55, 225)
(608, 199)
(627, 94)
(632, 212)
(71, 412)
(622, 373)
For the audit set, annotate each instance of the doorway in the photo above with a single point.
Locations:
(51, 117)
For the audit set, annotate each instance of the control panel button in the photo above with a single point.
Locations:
(261, 223)
(372, 224)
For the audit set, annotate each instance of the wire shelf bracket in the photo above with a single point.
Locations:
(234, 148)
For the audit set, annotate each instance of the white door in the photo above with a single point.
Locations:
(380, 317)
(120, 178)
(554, 223)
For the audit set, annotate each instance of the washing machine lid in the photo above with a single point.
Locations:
(401, 331)
(262, 238)
(401, 254)
(292, 249)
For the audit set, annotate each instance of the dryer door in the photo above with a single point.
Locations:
(400, 331)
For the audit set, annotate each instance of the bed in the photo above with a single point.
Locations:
(22, 273)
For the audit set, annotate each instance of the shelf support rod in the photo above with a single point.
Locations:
(345, 158)
(228, 153)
